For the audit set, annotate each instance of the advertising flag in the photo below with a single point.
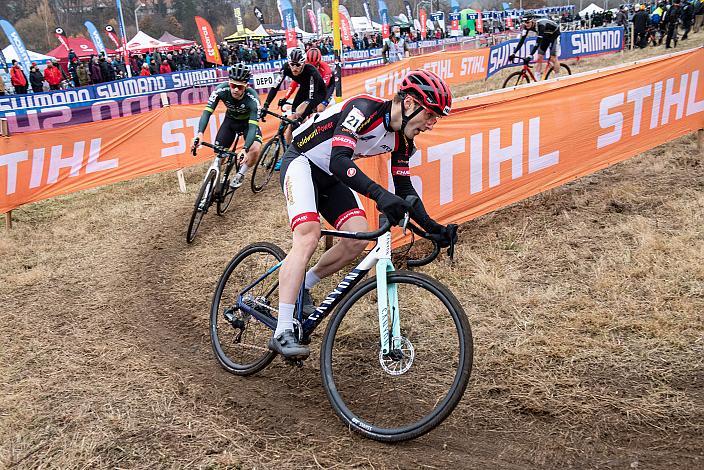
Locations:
(368, 14)
(423, 18)
(61, 36)
(110, 31)
(313, 20)
(239, 24)
(479, 25)
(345, 27)
(384, 14)
(409, 11)
(17, 43)
(95, 37)
(288, 21)
(207, 38)
(260, 16)
(454, 17)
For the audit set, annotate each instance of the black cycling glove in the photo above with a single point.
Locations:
(393, 207)
(443, 235)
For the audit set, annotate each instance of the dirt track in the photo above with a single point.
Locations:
(586, 305)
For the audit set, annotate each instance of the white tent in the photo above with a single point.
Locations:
(9, 53)
(591, 9)
(360, 24)
(144, 42)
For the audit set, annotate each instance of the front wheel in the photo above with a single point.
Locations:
(240, 341)
(226, 193)
(515, 79)
(564, 70)
(266, 163)
(200, 208)
(410, 391)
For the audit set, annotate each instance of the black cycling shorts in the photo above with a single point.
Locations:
(230, 128)
(302, 96)
(549, 42)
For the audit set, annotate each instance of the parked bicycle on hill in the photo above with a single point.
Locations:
(525, 75)
(390, 380)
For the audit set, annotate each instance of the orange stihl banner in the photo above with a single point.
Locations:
(455, 67)
(493, 150)
(210, 44)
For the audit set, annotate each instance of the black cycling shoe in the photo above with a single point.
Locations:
(308, 306)
(288, 346)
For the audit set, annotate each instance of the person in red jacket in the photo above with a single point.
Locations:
(18, 78)
(52, 75)
(165, 67)
(145, 70)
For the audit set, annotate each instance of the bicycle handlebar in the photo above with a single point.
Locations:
(278, 116)
(405, 224)
(219, 150)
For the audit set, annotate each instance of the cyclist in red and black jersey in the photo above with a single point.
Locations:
(318, 175)
(315, 58)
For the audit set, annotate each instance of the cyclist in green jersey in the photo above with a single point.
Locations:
(242, 115)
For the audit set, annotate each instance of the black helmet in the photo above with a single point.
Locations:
(240, 73)
(296, 56)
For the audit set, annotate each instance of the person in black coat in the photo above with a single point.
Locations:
(672, 19)
(36, 78)
(687, 17)
(107, 71)
(640, 26)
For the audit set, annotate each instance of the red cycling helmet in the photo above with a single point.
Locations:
(314, 56)
(431, 90)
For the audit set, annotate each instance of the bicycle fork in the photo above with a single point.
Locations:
(387, 298)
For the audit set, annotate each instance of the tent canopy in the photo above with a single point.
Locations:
(169, 38)
(360, 24)
(258, 33)
(142, 42)
(81, 46)
(40, 59)
(591, 9)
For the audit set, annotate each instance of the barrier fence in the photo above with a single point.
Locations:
(28, 113)
(491, 151)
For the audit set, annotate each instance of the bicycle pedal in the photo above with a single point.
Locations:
(294, 362)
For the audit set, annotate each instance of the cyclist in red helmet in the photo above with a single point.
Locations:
(315, 58)
(319, 176)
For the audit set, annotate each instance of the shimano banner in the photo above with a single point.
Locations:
(589, 42)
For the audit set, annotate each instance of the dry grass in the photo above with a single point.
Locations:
(585, 302)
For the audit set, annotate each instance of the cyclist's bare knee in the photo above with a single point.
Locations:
(253, 153)
(306, 237)
(354, 224)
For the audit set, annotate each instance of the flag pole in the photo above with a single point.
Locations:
(337, 45)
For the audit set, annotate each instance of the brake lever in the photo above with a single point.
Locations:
(406, 218)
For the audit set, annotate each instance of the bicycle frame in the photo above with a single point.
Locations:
(379, 256)
(216, 164)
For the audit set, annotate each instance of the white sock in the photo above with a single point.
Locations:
(285, 319)
(243, 169)
(311, 279)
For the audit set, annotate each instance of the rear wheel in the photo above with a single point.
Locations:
(411, 390)
(564, 70)
(264, 168)
(515, 79)
(200, 208)
(240, 342)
